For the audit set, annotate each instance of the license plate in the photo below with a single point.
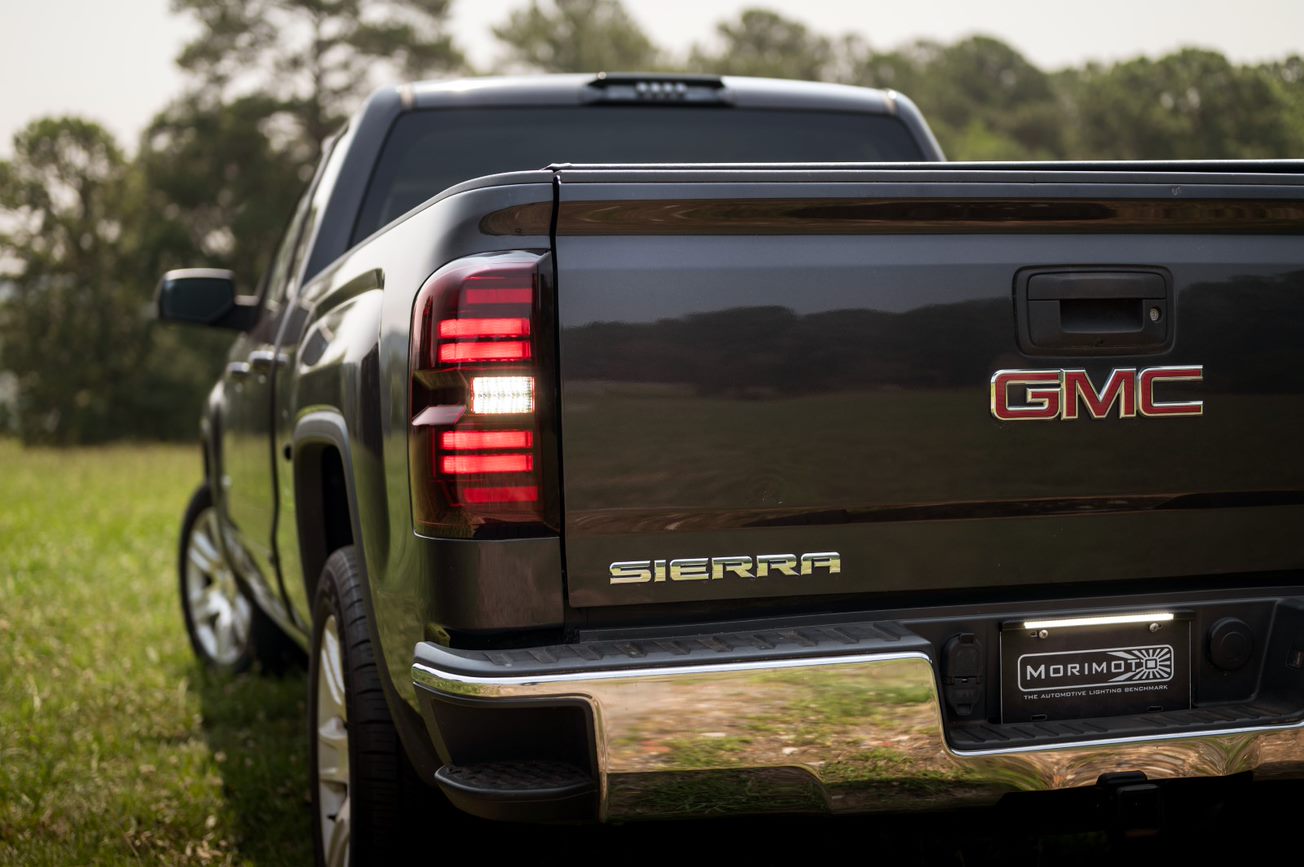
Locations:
(1075, 668)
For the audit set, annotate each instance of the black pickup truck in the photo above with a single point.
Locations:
(749, 458)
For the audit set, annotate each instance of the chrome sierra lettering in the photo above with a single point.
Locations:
(1042, 395)
(715, 568)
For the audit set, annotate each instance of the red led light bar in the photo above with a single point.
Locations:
(487, 295)
(503, 350)
(458, 465)
(480, 496)
(484, 328)
(454, 440)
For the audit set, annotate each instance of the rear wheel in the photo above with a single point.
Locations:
(227, 630)
(362, 784)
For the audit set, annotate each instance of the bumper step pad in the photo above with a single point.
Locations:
(513, 790)
(728, 646)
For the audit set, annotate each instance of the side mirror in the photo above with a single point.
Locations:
(204, 296)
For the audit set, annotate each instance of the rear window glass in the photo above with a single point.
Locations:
(429, 151)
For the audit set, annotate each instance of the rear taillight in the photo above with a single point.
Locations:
(478, 358)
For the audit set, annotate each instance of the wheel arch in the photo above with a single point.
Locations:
(326, 506)
(321, 449)
(210, 435)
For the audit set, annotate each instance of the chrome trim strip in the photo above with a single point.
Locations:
(434, 678)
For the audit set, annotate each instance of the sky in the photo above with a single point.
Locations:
(111, 60)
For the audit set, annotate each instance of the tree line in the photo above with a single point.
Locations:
(86, 226)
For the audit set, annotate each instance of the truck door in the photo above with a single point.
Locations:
(248, 468)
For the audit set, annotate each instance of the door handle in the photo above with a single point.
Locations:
(262, 360)
(1094, 311)
(237, 370)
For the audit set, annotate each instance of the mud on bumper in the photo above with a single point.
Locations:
(844, 717)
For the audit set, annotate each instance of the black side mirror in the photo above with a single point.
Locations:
(204, 296)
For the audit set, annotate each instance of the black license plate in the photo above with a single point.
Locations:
(1074, 668)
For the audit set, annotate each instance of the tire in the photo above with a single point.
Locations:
(357, 767)
(228, 631)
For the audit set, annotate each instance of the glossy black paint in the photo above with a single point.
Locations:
(732, 394)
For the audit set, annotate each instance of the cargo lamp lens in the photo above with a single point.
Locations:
(1103, 620)
(502, 395)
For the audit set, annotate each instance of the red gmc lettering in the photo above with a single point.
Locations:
(1037, 395)
(1146, 386)
(1120, 387)
(1040, 400)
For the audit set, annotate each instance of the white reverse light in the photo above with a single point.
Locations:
(500, 395)
(1109, 620)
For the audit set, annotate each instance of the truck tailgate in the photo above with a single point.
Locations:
(761, 365)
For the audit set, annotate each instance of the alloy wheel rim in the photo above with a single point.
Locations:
(219, 611)
(332, 748)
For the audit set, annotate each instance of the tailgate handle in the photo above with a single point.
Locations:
(1093, 311)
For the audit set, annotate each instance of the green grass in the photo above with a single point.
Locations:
(115, 748)
(700, 754)
(842, 700)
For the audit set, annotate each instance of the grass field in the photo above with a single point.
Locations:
(114, 747)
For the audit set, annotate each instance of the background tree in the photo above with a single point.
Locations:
(983, 99)
(315, 58)
(576, 36)
(220, 168)
(765, 43)
(70, 325)
(1287, 76)
(219, 185)
(85, 231)
(271, 79)
(1192, 104)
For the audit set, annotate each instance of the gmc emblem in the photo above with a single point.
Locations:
(1040, 395)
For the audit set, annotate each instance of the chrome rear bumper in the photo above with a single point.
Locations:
(840, 733)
